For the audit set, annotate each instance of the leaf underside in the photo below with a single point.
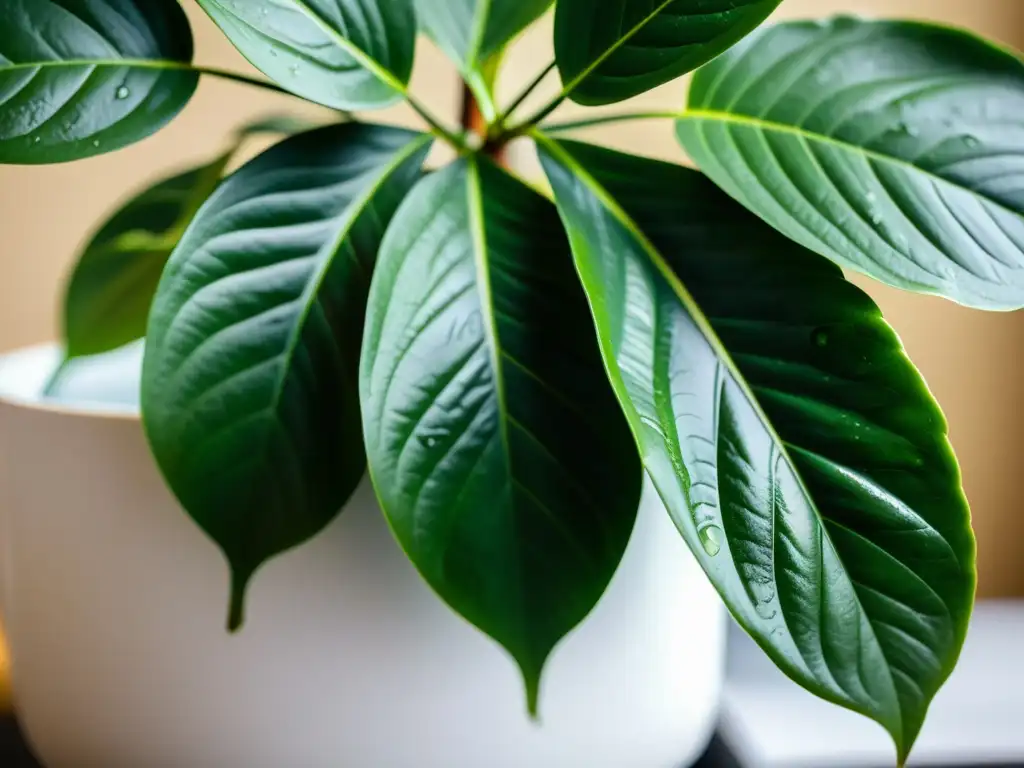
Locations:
(83, 77)
(249, 389)
(471, 31)
(617, 49)
(345, 54)
(497, 450)
(893, 148)
(794, 444)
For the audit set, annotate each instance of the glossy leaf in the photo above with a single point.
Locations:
(110, 291)
(82, 77)
(893, 148)
(795, 446)
(493, 439)
(471, 31)
(346, 54)
(249, 390)
(613, 50)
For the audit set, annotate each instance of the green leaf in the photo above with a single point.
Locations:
(108, 297)
(614, 50)
(346, 54)
(249, 387)
(794, 444)
(471, 31)
(82, 77)
(494, 442)
(893, 148)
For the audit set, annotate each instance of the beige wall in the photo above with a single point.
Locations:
(973, 361)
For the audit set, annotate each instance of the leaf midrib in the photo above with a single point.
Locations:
(354, 212)
(479, 30)
(763, 124)
(478, 231)
(166, 64)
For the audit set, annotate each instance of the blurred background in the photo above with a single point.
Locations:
(973, 361)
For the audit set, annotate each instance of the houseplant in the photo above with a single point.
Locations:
(516, 359)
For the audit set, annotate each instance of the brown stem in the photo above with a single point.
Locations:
(473, 120)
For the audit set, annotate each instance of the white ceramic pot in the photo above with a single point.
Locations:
(114, 604)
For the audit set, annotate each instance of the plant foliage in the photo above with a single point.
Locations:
(507, 365)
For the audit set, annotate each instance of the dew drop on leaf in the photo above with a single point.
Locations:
(820, 337)
(122, 93)
(711, 539)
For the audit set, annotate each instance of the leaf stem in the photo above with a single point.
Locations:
(572, 85)
(238, 77)
(534, 84)
(435, 124)
(613, 118)
(539, 115)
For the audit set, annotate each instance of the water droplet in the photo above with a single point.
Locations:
(273, 53)
(122, 93)
(903, 128)
(971, 141)
(711, 539)
(95, 142)
(37, 139)
(427, 440)
(820, 337)
(293, 70)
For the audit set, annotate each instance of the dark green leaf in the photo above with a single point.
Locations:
(471, 31)
(893, 148)
(494, 442)
(111, 289)
(346, 54)
(794, 444)
(82, 77)
(249, 390)
(610, 51)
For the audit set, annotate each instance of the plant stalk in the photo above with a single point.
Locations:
(474, 121)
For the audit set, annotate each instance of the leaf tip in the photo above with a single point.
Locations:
(531, 678)
(236, 608)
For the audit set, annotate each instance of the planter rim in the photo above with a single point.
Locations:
(24, 373)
